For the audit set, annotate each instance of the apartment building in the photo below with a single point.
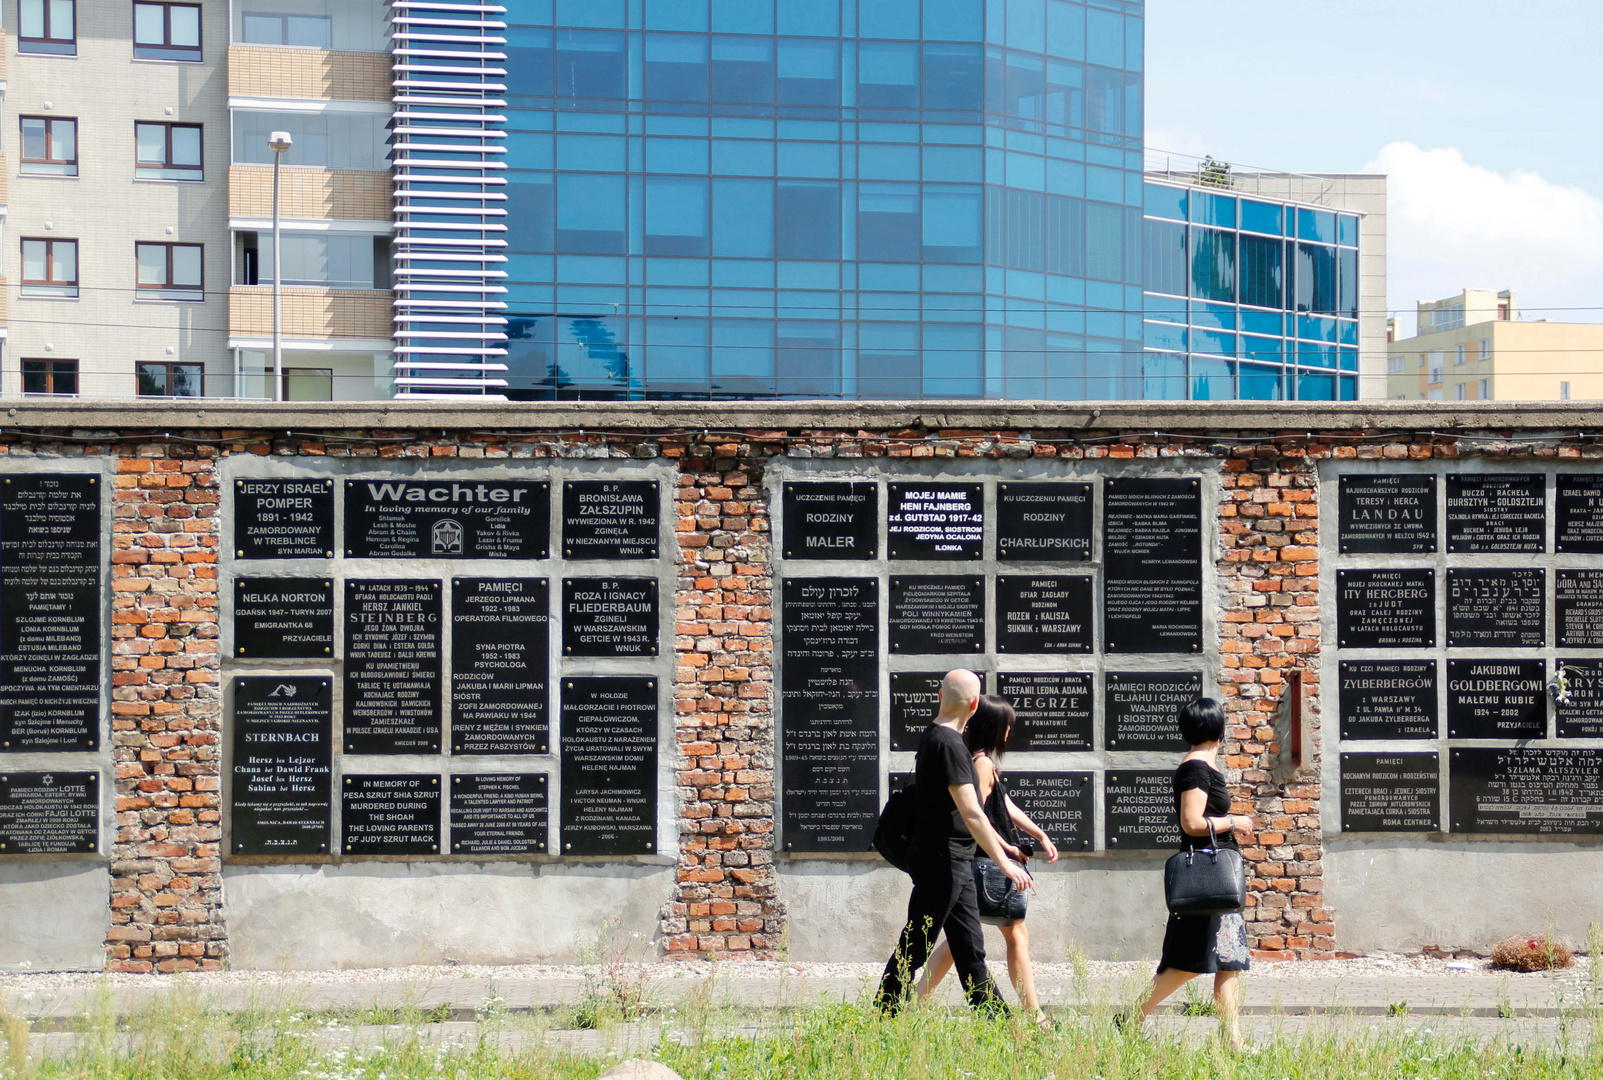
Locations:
(1475, 347)
(140, 197)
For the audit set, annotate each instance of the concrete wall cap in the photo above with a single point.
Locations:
(1562, 418)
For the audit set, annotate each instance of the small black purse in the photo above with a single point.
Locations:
(1205, 881)
(1000, 900)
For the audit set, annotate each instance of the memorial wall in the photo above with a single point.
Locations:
(445, 662)
(371, 690)
(1078, 597)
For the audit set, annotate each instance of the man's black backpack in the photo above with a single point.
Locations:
(893, 836)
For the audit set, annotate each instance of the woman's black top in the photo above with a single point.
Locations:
(1199, 775)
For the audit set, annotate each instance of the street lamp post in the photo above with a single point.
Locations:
(279, 143)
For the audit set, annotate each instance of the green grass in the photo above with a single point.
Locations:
(183, 1040)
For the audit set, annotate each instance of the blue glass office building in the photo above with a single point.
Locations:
(1248, 297)
(825, 198)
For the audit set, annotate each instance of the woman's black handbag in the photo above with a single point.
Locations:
(1000, 900)
(1205, 881)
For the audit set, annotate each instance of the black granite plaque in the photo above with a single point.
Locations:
(500, 666)
(1578, 513)
(1390, 793)
(1578, 708)
(609, 617)
(393, 814)
(283, 519)
(447, 519)
(1496, 609)
(1388, 699)
(609, 765)
(1152, 552)
(1578, 609)
(499, 814)
(1496, 512)
(392, 666)
(937, 614)
(49, 813)
(1386, 514)
(829, 697)
(830, 520)
(283, 618)
(915, 699)
(1043, 522)
(1141, 706)
(1139, 808)
(1496, 699)
(610, 519)
(1539, 791)
(1054, 710)
(50, 612)
(281, 778)
(1061, 803)
(1043, 614)
(935, 520)
(1380, 609)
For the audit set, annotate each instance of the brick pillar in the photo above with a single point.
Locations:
(725, 903)
(166, 713)
(1269, 571)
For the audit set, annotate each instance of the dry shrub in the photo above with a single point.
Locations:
(1540, 953)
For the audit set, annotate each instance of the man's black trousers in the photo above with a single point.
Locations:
(943, 899)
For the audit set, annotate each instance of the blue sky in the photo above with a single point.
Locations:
(1488, 117)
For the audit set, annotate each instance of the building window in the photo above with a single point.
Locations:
(49, 267)
(1433, 394)
(308, 384)
(1485, 390)
(335, 260)
(47, 26)
(1461, 391)
(157, 379)
(1564, 391)
(1394, 365)
(166, 31)
(49, 376)
(1459, 355)
(49, 146)
(169, 271)
(1486, 350)
(1434, 365)
(273, 28)
(167, 151)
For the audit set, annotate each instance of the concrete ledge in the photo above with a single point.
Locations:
(1046, 418)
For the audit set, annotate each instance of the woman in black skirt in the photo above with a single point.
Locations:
(1204, 944)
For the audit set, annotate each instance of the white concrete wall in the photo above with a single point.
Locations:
(389, 914)
(56, 915)
(1109, 907)
(1401, 895)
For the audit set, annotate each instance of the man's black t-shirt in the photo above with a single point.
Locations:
(942, 761)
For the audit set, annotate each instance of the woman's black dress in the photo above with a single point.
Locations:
(1204, 943)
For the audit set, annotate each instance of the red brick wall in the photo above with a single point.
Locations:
(166, 708)
(166, 712)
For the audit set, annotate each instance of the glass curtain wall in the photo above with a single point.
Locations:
(1248, 298)
(824, 198)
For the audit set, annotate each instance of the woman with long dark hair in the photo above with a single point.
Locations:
(1203, 944)
(986, 736)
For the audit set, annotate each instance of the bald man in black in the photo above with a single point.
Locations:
(949, 822)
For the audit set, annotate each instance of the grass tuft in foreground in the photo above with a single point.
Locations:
(183, 1040)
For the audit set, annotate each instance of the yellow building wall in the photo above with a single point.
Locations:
(1530, 361)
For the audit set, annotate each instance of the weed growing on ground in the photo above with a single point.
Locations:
(614, 987)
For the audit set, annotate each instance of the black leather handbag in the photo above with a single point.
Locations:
(1000, 900)
(1205, 881)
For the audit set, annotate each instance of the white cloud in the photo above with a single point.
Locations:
(1451, 224)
